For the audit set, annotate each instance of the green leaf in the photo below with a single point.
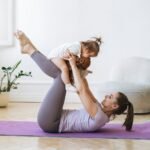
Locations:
(3, 68)
(8, 72)
(4, 89)
(15, 87)
(9, 68)
(15, 66)
(13, 83)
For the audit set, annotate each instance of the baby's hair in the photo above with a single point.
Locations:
(98, 40)
(93, 44)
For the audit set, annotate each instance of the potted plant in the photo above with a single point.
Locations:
(9, 81)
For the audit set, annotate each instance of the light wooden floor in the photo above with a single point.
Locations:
(28, 112)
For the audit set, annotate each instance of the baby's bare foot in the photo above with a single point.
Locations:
(26, 46)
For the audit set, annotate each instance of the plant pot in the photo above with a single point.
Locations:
(4, 99)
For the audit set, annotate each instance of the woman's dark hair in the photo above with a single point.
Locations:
(93, 45)
(124, 104)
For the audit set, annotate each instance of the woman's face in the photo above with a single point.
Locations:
(110, 102)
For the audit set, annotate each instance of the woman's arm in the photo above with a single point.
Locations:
(85, 94)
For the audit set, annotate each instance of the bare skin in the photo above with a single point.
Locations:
(86, 96)
(109, 104)
(26, 45)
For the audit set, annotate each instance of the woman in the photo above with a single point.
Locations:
(52, 117)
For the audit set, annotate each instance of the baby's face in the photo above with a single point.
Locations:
(87, 53)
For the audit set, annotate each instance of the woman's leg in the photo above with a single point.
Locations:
(46, 65)
(51, 108)
(43, 62)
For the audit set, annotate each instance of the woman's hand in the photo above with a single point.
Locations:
(70, 57)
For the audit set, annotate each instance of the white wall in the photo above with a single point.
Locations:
(123, 25)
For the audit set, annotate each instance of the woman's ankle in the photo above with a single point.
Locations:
(30, 52)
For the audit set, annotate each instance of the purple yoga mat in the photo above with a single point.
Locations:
(111, 131)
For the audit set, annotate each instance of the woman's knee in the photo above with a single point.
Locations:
(50, 130)
(48, 125)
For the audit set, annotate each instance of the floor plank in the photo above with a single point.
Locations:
(28, 112)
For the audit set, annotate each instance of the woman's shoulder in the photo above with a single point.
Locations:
(100, 115)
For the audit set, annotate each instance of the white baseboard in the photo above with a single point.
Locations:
(35, 92)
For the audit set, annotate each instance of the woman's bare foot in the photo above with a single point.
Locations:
(26, 46)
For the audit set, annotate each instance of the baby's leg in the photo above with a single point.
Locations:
(61, 64)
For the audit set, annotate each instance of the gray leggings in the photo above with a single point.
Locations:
(51, 108)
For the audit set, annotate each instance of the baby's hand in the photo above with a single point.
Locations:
(66, 54)
(70, 57)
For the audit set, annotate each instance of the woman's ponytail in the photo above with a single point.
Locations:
(129, 119)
